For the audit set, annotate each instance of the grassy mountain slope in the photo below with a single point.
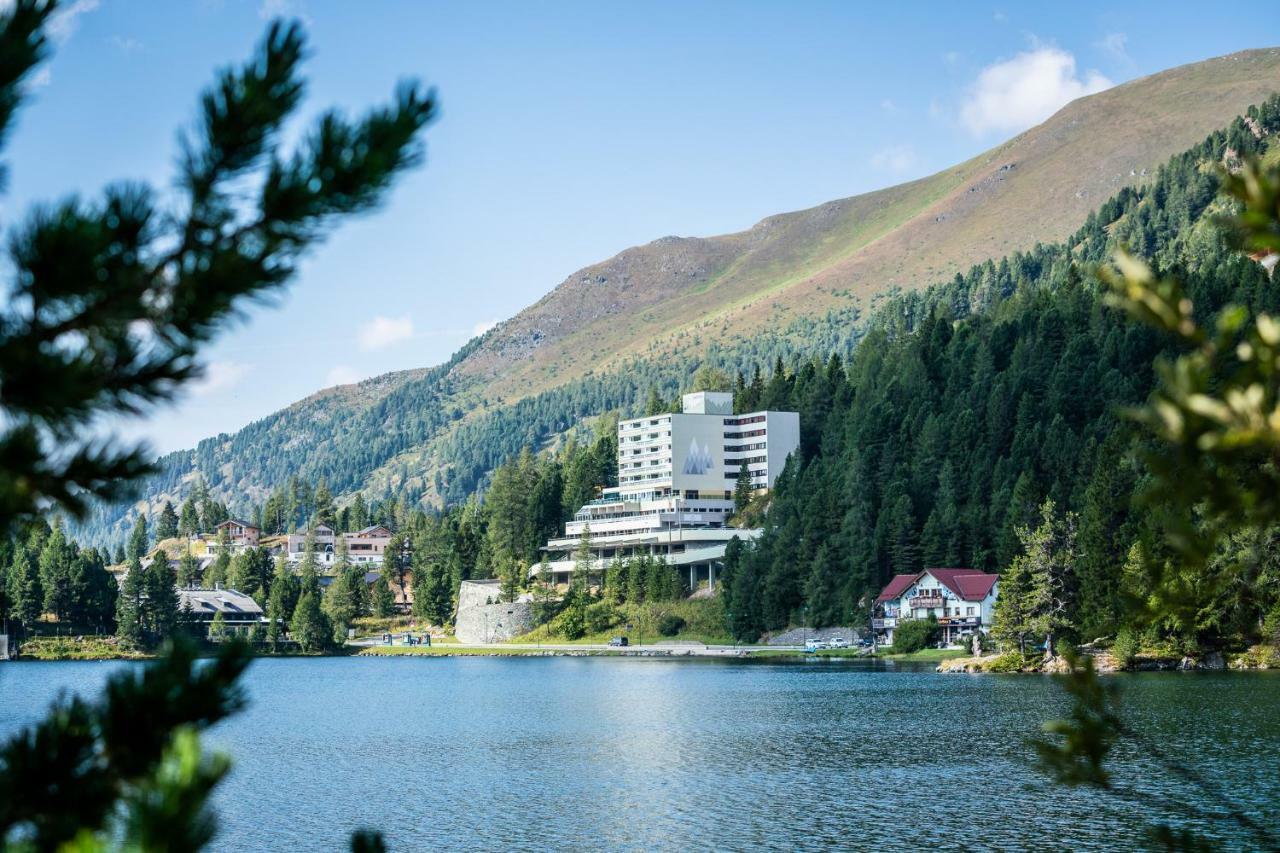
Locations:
(795, 282)
(1037, 187)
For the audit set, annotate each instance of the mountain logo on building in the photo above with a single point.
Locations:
(699, 460)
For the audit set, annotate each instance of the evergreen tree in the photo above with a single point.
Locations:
(160, 606)
(1050, 554)
(24, 589)
(129, 613)
(138, 539)
(188, 571)
(55, 573)
(742, 488)
(282, 601)
(384, 600)
(189, 519)
(167, 523)
(309, 627)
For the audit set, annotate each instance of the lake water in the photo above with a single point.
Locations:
(608, 753)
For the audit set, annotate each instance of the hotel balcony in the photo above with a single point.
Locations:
(924, 601)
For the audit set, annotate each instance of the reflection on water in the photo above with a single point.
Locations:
(468, 753)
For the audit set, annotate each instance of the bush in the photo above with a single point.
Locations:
(914, 635)
(670, 625)
(600, 617)
(1125, 648)
(1007, 662)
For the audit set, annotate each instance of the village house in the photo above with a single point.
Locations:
(239, 532)
(962, 600)
(240, 613)
(363, 546)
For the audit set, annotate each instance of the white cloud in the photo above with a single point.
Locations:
(480, 328)
(1116, 45)
(63, 24)
(382, 332)
(1017, 93)
(341, 374)
(126, 44)
(219, 376)
(269, 9)
(43, 77)
(895, 158)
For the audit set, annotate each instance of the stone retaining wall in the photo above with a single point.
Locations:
(483, 618)
(798, 636)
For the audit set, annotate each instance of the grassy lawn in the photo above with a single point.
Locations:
(924, 654)
(88, 648)
(457, 651)
(704, 623)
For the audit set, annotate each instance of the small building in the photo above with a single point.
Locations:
(239, 532)
(240, 613)
(363, 546)
(962, 600)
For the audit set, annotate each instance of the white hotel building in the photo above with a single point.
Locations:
(676, 477)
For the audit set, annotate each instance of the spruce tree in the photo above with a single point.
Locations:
(129, 614)
(24, 589)
(138, 539)
(309, 627)
(166, 523)
(161, 604)
(189, 519)
(188, 571)
(384, 600)
(742, 488)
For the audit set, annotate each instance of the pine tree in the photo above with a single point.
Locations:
(384, 600)
(1050, 554)
(167, 523)
(24, 589)
(283, 600)
(188, 571)
(129, 615)
(309, 627)
(55, 573)
(138, 539)
(742, 488)
(160, 605)
(189, 519)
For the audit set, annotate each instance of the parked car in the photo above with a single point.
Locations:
(619, 641)
(839, 643)
(814, 646)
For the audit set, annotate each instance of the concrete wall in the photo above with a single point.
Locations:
(480, 622)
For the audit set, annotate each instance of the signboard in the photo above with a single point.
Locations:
(697, 455)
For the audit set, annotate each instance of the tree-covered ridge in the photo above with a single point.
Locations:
(968, 405)
(434, 436)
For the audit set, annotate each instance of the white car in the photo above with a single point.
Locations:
(814, 645)
(839, 643)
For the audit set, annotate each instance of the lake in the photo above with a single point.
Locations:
(610, 753)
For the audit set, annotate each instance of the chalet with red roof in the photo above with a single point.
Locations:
(962, 600)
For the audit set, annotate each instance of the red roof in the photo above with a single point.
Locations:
(897, 586)
(969, 584)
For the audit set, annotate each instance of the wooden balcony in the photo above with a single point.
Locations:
(924, 601)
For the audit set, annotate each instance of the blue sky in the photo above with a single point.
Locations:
(568, 132)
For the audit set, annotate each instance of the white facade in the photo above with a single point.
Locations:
(363, 546)
(962, 600)
(676, 477)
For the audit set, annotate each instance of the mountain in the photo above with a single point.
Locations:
(795, 283)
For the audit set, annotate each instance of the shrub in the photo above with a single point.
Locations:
(1007, 662)
(670, 625)
(1125, 648)
(914, 635)
(600, 617)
